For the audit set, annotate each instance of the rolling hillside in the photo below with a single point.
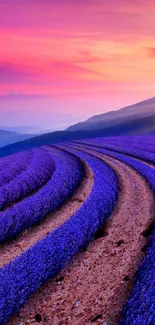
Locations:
(30, 130)
(77, 233)
(130, 113)
(137, 126)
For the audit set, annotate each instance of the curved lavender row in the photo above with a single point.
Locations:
(34, 177)
(17, 163)
(83, 155)
(140, 308)
(4, 162)
(146, 143)
(145, 170)
(32, 210)
(136, 152)
(20, 278)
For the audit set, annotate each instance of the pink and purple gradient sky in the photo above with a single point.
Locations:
(62, 61)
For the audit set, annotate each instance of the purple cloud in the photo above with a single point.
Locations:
(13, 73)
(70, 69)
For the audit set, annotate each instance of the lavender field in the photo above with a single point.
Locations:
(77, 237)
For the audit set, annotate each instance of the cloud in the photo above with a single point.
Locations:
(53, 72)
(88, 15)
(88, 57)
(70, 70)
(12, 73)
(151, 52)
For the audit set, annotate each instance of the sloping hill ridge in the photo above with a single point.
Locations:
(129, 113)
(138, 126)
(8, 137)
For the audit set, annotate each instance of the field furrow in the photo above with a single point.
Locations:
(36, 175)
(49, 255)
(77, 233)
(95, 284)
(34, 208)
(126, 150)
(11, 249)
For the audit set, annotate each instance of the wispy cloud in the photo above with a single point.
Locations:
(69, 49)
(10, 72)
(151, 52)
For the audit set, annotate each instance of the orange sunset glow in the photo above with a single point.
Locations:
(74, 58)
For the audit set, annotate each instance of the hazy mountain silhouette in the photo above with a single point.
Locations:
(138, 126)
(7, 137)
(24, 129)
(129, 113)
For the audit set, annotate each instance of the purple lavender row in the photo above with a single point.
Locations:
(17, 163)
(145, 170)
(146, 143)
(122, 148)
(140, 308)
(4, 162)
(9, 160)
(31, 180)
(33, 209)
(24, 275)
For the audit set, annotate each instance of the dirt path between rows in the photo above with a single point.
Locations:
(11, 249)
(96, 283)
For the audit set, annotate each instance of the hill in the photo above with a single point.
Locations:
(129, 113)
(137, 126)
(8, 137)
(24, 129)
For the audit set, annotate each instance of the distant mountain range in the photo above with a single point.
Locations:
(13, 134)
(121, 116)
(7, 137)
(138, 119)
(24, 129)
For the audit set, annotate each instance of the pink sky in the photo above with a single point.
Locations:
(62, 61)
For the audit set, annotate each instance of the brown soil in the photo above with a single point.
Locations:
(12, 249)
(96, 283)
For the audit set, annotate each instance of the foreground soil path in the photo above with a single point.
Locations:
(96, 283)
(11, 249)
